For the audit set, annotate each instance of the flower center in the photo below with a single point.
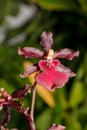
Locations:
(49, 58)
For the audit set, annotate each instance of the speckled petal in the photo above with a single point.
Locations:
(66, 53)
(22, 92)
(46, 40)
(30, 52)
(63, 68)
(29, 71)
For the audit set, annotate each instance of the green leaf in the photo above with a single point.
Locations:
(7, 86)
(61, 99)
(77, 93)
(85, 63)
(85, 128)
(43, 121)
(83, 4)
(83, 110)
(57, 4)
(74, 123)
(4, 9)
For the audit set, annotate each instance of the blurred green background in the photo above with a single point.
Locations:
(21, 24)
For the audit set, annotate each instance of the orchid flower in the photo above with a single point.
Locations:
(8, 101)
(52, 73)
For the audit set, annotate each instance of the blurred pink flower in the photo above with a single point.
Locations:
(52, 73)
(57, 127)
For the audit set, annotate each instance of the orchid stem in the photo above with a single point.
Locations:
(33, 102)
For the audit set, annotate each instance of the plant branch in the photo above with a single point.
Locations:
(33, 102)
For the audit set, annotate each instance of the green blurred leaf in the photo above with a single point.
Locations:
(77, 93)
(85, 63)
(4, 9)
(83, 4)
(85, 128)
(80, 72)
(57, 4)
(83, 110)
(43, 121)
(6, 85)
(74, 123)
(62, 99)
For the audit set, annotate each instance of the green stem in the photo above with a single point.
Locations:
(33, 102)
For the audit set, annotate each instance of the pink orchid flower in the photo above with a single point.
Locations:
(52, 73)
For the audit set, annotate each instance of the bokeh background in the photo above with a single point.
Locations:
(21, 24)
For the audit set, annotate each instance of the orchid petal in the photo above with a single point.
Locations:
(30, 52)
(15, 104)
(29, 71)
(44, 65)
(7, 118)
(52, 79)
(4, 101)
(62, 68)
(46, 40)
(57, 127)
(21, 93)
(66, 53)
